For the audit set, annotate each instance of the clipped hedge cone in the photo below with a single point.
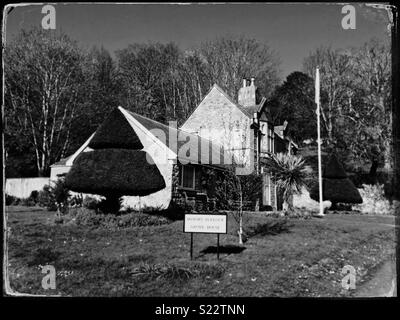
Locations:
(117, 172)
(117, 166)
(336, 186)
(115, 132)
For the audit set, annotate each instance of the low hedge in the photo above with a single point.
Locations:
(90, 218)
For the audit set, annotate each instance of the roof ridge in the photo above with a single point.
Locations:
(177, 129)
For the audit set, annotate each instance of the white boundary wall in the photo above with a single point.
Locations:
(22, 187)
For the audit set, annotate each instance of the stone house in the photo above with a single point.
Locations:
(244, 129)
(218, 134)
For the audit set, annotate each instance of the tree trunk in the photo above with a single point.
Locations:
(240, 232)
(288, 204)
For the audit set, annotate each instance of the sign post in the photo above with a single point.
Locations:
(191, 246)
(218, 246)
(205, 223)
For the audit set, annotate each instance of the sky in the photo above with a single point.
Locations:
(291, 30)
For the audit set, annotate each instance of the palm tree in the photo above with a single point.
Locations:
(289, 173)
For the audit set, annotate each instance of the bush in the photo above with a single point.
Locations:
(177, 210)
(54, 196)
(11, 200)
(89, 218)
(76, 201)
(34, 196)
(90, 203)
(28, 202)
(140, 220)
(46, 199)
(374, 201)
(115, 172)
(174, 272)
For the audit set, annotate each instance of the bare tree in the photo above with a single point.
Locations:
(228, 59)
(372, 75)
(42, 77)
(335, 68)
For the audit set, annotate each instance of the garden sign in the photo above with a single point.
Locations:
(205, 223)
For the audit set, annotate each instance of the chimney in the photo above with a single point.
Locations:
(247, 94)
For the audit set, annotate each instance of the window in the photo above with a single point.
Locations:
(188, 177)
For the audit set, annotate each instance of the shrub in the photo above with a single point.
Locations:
(289, 172)
(28, 202)
(11, 200)
(177, 210)
(374, 201)
(336, 186)
(46, 199)
(140, 220)
(88, 217)
(174, 272)
(90, 203)
(34, 196)
(76, 201)
(55, 196)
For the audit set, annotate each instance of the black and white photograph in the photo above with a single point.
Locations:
(200, 150)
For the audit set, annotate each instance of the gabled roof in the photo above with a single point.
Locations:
(214, 149)
(204, 146)
(62, 162)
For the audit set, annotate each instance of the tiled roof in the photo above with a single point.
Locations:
(214, 149)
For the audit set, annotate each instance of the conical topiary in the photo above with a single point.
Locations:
(336, 186)
(115, 132)
(117, 166)
(118, 172)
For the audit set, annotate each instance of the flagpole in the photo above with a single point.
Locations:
(317, 101)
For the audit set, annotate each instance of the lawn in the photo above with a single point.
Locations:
(284, 258)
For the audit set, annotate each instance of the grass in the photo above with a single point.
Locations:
(281, 258)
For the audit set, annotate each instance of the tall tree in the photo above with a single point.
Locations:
(144, 69)
(43, 77)
(335, 69)
(372, 115)
(294, 101)
(228, 59)
(355, 102)
(101, 94)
